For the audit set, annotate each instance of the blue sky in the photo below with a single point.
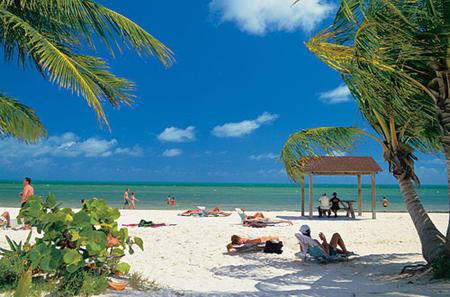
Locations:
(242, 82)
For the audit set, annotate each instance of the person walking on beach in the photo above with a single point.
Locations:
(172, 202)
(27, 192)
(126, 200)
(132, 201)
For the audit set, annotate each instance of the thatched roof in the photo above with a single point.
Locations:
(339, 165)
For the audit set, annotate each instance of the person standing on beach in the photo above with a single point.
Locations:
(172, 202)
(27, 192)
(168, 200)
(132, 201)
(126, 200)
(385, 202)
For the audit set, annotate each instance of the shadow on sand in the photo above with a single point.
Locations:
(371, 275)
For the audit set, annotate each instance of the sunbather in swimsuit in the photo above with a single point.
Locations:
(217, 211)
(335, 246)
(259, 217)
(190, 212)
(5, 219)
(237, 240)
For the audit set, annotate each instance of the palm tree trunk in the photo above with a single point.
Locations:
(442, 94)
(440, 87)
(433, 242)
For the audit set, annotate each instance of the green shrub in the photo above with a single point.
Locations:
(73, 246)
(441, 268)
(83, 283)
(11, 269)
(139, 282)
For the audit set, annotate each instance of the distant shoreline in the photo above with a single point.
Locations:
(197, 184)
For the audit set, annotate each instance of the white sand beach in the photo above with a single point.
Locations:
(189, 258)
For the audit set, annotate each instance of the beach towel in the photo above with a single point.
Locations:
(247, 248)
(148, 224)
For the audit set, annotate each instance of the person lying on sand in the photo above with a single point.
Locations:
(335, 246)
(260, 217)
(191, 212)
(5, 219)
(238, 240)
(216, 211)
(257, 215)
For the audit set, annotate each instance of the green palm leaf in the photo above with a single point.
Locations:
(314, 142)
(50, 34)
(19, 121)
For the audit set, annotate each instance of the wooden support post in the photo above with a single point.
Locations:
(302, 185)
(374, 212)
(359, 196)
(310, 196)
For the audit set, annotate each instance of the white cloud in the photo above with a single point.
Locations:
(269, 156)
(173, 134)
(67, 145)
(170, 153)
(261, 16)
(339, 95)
(243, 128)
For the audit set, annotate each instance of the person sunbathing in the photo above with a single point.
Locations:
(237, 240)
(260, 217)
(5, 219)
(332, 248)
(216, 211)
(257, 215)
(191, 212)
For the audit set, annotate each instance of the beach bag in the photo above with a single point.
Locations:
(273, 247)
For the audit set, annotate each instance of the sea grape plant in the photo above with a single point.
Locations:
(89, 239)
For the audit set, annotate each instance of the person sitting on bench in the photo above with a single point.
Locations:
(335, 201)
(324, 207)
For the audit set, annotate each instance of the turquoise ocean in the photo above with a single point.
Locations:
(226, 196)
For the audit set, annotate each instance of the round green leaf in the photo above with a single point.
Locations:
(123, 267)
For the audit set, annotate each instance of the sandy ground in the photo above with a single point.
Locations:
(189, 258)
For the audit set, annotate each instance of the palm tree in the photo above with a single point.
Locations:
(54, 36)
(398, 137)
(408, 40)
(377, 46)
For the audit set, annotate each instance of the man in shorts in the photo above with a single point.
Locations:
(27, 192)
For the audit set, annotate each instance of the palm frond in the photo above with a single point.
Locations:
(84, 75)
(19, 121)
(314, 142)
(92, 22)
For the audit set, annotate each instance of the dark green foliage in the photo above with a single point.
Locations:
(83, 283)
(441, 268)
(11, 269)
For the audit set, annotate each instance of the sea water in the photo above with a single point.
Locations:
(227, 196)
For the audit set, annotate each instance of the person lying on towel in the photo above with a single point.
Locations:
(238, 240)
